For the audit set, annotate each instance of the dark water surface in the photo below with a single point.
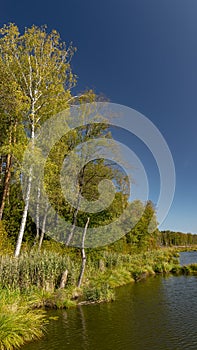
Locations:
(156, 314)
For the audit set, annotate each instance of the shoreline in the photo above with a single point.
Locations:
(97, 289)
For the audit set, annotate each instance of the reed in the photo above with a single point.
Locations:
(34, 269)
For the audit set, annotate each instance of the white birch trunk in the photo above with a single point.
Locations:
(83, 256)
(24, 218)
(43, 227)
(37, 216)
(27, 197)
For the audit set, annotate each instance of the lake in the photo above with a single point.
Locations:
(159, 313)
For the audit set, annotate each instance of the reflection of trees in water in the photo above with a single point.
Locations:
(76, 319)
(65, 317)
(83, 327)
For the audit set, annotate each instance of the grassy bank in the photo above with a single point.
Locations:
(31, 283)
(185, 270)
(19, 323)
(41, 272)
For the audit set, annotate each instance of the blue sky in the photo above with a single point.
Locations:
(142, 54)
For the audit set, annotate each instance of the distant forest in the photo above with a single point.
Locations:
(171, 238)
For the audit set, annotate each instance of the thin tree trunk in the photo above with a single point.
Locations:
(1, 169)
(37, 216)
(24, 218)
(6, 184)
(83, 255)
(43, 227)
(27, 199)
(64, 279)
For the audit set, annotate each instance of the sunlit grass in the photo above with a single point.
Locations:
(18, 322)
(34, 269)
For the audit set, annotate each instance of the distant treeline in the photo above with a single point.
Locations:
(171, 238)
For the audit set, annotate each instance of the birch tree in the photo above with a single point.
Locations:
(12, 137)
(39, 64)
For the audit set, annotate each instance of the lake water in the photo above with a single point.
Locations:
(157, 314)
(188, 258)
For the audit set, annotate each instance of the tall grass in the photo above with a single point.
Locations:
(18, 322)
(115, 269)
(34, 269)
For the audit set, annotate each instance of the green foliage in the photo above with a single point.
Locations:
(98, 293)
(144, 234)
(13, 213)
(5, 244)
(18, 322)
(35, 83)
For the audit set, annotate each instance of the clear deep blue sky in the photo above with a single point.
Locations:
(142, 54)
